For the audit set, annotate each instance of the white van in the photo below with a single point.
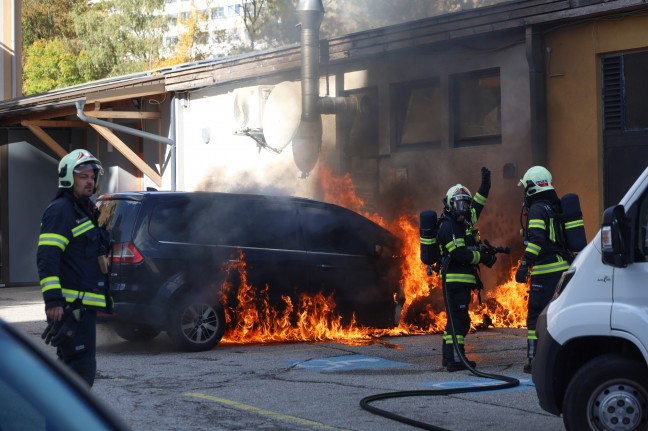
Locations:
(592, 352)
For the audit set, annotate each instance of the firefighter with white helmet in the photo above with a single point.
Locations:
(72, 249)
(544, 260)
(458, 239)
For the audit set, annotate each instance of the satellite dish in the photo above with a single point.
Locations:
(282, 114)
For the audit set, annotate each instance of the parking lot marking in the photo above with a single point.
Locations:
(471, 383)
(262, 412)
(346, 363)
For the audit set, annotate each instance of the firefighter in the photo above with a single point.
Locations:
(71, 260)
(458, 238)
(544, 259)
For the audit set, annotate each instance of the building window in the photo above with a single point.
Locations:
(417, 108)
(235, 9)
(218, 12)
(476, 108)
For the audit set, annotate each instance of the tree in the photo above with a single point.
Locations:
(49, 19)
(120, 36)
(48, 65)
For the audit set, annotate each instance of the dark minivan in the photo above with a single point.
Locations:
(170, 250)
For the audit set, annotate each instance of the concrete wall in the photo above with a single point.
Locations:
(32, 185)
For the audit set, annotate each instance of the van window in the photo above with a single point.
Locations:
(329, 231)
(642, 241)
(119, 217)
(227, 221)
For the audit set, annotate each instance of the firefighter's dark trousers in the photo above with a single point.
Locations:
(540, 294)
(79, 353)
(458, 299)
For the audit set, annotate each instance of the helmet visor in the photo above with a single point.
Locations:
(462, 206)
(87, 167)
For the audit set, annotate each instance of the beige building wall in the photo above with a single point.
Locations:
(11, 52)
(574, 105)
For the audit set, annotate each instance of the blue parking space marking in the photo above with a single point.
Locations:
(471, 383)
(346, 363)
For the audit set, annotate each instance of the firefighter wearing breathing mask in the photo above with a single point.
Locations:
(72, 266)
(542, 261)
(458, 238)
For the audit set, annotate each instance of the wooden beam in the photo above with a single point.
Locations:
(128, 153)
(137, 115)
(47, 139)
(55, 123)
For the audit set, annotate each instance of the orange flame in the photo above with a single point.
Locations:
(253, 320)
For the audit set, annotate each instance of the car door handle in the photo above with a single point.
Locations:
(324, 266)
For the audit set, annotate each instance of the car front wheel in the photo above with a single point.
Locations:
(197, 324)
(608, 393)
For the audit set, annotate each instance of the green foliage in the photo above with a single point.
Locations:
(49, 19)
(49, 65)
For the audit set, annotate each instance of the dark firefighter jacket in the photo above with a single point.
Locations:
(543, 235)
(69, 246)
(460, 240)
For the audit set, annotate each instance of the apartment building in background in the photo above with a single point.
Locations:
(222, 28)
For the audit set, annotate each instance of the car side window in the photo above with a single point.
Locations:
(328, 231)
(260, 224)
(227, 221)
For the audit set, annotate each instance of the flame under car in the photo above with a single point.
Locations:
(179, 260)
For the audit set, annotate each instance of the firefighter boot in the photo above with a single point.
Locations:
(531, 349)
(444, 355)
(457, 364)
(448, 352)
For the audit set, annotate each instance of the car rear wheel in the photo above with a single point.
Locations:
(133, 332)
(607, 393)
(197, 324)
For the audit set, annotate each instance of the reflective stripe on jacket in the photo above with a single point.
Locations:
(69, 246)
(541, 252)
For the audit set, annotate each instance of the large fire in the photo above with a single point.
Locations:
(251, 318)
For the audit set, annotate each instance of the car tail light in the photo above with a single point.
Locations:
(125, 252)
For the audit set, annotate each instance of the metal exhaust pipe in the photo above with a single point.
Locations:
(310, 14)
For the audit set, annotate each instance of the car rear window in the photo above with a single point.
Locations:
(119, 217)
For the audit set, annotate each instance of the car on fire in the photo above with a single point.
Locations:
(171, 251)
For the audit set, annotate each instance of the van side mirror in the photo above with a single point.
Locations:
(614, 244)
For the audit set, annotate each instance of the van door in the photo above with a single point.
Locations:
(265, 229)
(630, 294)
(341, 246)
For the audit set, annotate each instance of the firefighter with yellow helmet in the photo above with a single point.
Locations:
(458, 239)
(72, 248)
(544, 260)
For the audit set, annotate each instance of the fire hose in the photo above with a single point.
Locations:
(509, 382)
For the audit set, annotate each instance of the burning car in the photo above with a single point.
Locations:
(178, 260)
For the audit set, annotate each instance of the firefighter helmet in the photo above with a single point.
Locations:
(71, 163)
(458, 200)
(537, 179)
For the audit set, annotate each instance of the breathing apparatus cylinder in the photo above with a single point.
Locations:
(427, 229)
(572, 219)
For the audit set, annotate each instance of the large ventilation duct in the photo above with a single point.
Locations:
(307, 141)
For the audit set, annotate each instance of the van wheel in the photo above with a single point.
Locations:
(607, 393)
(197, 324)
(132, 332)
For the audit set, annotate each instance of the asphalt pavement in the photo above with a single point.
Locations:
(301, 386)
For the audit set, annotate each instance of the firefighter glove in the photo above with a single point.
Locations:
(485, 177)
(488, 259)
(522, 273)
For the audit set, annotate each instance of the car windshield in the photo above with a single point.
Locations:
(35, 397)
